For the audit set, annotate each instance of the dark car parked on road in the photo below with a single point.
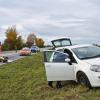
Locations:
(34, 49)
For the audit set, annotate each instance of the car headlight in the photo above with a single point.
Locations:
(95, 68)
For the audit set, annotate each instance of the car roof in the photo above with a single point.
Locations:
(74, 46)
(25, 48)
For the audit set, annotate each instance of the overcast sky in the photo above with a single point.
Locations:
(50, 19)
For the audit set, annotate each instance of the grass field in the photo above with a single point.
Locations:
(25, 79)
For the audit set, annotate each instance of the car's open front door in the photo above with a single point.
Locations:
(56, 67)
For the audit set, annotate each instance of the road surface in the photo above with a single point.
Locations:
(12, 56)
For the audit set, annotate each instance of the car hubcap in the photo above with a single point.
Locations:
(82, 80)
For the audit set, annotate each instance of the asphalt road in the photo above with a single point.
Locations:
(11, 57)
(14, 57)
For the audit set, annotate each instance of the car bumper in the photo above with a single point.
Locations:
(94, 78)
(24, 54)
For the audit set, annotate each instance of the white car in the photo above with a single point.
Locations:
(80, 63)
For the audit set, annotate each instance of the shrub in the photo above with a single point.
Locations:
(5, 47)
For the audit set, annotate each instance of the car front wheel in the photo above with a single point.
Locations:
(83, 80)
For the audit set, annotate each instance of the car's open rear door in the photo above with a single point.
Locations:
(61, 42)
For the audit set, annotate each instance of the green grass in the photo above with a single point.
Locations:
(25, 79)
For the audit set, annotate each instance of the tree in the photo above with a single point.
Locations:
(12, 40)
(19, 42)
(31, 39)
(5, 47)
(11, 37)
(40, 42)
(11, 33)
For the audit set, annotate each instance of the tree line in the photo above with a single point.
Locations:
(15, 41)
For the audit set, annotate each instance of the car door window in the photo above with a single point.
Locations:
(59, 57)
(47, 56)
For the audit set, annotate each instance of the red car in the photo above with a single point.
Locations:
(25, 51)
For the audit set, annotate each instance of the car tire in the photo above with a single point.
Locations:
(83, 80)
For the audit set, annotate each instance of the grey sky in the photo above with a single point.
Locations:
(49, 19)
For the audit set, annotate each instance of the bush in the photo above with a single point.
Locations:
(5, 47)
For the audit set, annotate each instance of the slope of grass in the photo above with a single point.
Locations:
(25, 79)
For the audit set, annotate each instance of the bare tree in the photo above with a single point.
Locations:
(31, 39)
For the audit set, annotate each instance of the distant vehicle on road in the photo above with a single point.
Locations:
(34, 49)
(25, 51)
(3, 59)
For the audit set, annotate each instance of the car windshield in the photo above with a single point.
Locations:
(87, 52)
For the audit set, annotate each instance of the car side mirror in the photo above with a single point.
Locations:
(67, 60)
